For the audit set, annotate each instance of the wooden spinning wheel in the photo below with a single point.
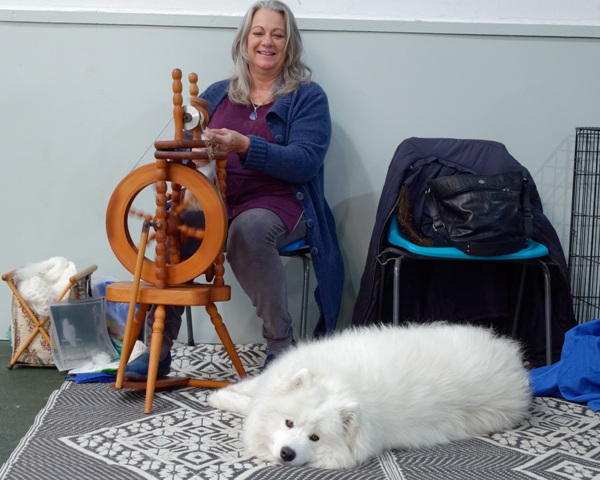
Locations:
(213, 236)
(166, 279)
(170, 170)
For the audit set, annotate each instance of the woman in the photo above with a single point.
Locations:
(274, 123)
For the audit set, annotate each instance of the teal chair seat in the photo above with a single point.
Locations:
(401, 249)
(396, 238)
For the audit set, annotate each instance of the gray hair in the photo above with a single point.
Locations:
(294, 71)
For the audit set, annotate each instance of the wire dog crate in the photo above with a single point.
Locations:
(584, 245)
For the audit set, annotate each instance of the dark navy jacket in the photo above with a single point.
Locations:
(483, 292)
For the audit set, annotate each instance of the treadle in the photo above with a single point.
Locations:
(173, 382)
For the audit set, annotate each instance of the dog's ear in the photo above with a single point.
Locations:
(349, 414)
(301, 378)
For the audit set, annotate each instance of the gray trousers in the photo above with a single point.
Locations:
(253, 241)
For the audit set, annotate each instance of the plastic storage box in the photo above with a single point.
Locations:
(79, 334)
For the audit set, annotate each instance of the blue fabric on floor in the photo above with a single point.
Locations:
(576, 376)
(94, 377)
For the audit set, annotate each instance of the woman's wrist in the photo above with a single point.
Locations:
(245, 146)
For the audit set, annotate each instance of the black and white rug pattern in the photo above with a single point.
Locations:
(91, 431)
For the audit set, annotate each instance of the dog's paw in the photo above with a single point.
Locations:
(229, 400)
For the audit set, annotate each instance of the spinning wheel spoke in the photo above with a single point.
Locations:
(174, 212)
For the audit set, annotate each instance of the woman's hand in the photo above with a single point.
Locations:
(227, 140)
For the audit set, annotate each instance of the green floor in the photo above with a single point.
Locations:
(24, 391)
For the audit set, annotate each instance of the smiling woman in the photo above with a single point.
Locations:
(273, 122)
(266, 50)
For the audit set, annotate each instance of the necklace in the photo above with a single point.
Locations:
(254, 114)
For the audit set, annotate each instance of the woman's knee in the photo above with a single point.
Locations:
(254, 229)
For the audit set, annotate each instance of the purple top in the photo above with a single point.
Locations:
(248, 189)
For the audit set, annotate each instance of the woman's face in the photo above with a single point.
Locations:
(266, 43)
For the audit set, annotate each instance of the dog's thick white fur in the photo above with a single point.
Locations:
(337, 402)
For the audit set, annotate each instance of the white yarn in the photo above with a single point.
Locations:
(41, 283)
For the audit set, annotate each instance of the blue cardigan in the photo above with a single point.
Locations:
(301, 129)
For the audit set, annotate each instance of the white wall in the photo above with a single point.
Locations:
(572, 12)
(84, 96)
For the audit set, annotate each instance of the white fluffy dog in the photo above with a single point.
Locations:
(337, 402)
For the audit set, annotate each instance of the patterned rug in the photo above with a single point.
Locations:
(93, 432)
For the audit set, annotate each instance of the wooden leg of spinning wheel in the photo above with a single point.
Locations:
(223, 334)
(138, 322)
(132, 333)
(129, 338)
(155, 346)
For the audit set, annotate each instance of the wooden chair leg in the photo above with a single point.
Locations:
(223, 334)
(132, 332)
(155, 347)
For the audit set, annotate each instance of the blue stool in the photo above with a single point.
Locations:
(298, 249)
(402, 249)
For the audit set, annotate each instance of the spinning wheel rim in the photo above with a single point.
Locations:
(121, 240)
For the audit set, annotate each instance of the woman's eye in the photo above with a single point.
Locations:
(314, 438)
(289, 423)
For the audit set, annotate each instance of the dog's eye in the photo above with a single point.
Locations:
(314, 438)
(289, 424)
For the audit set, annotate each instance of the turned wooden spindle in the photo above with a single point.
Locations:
(161, 223)
(191, 232)
(193, 79)
(178, 118)
(177, 104)
(161, 186)
(174, 245)
(140, 214)
(199, 104)
(175, 197)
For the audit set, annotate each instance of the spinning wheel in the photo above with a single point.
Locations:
(118, 218)
(166, 278)
(169, 168)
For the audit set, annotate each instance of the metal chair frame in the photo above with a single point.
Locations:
(402, 250)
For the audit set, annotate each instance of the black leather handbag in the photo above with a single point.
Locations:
(483, 215)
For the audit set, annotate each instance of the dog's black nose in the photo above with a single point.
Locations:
(287, 454)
